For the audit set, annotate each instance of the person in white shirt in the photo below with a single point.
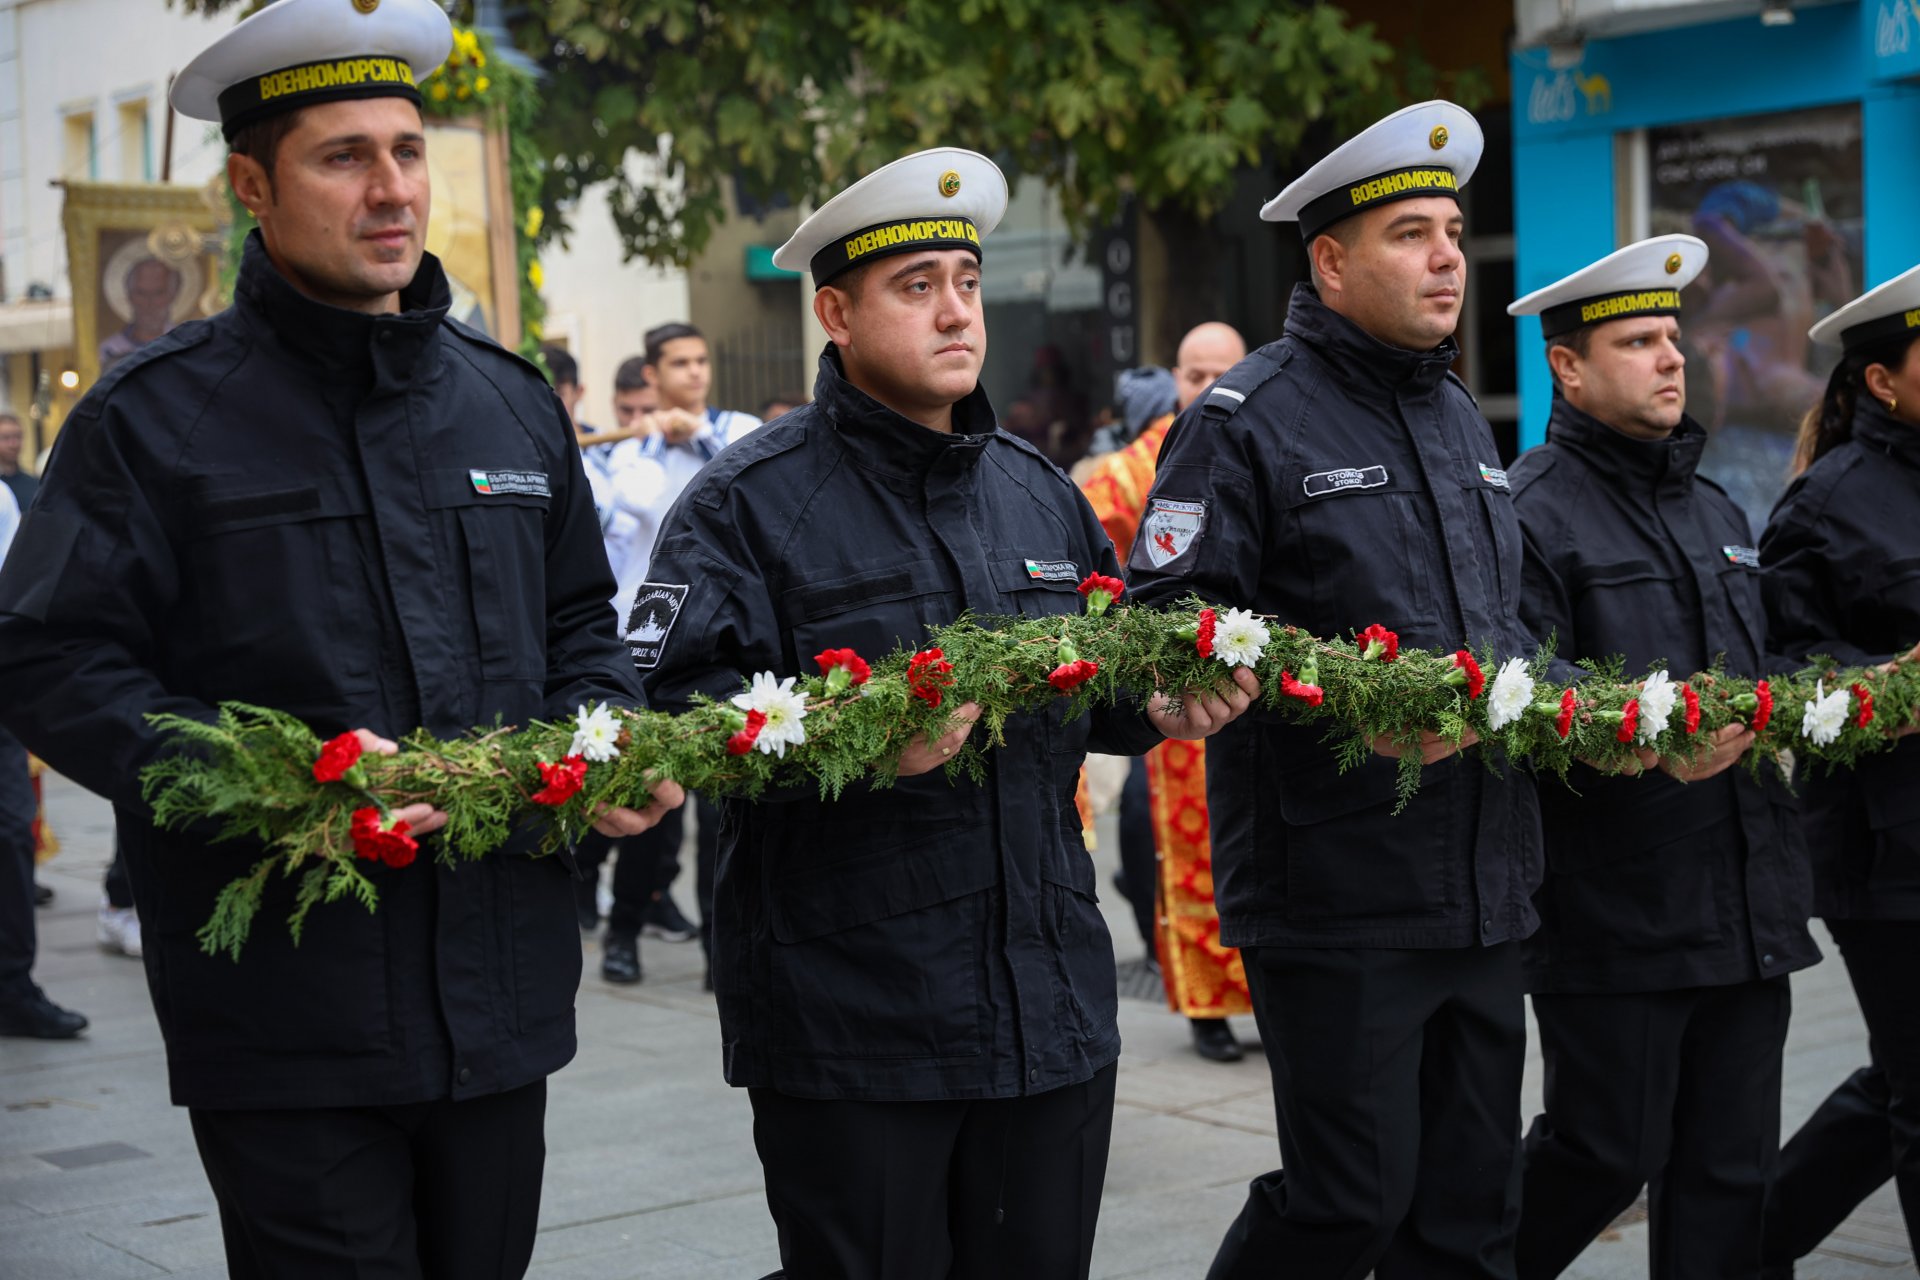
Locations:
(649, 472)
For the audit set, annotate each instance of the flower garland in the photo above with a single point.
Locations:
(320, 808)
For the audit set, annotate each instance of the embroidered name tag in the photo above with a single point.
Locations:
(1322, 483)
(1746, 556)
(1053, 570)
(1493, 476)
(1170, 529)
(494, 482)
(656, 607)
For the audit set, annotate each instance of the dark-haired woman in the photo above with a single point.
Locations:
(1841, 578)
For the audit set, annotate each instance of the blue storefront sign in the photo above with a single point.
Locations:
(1794, 151)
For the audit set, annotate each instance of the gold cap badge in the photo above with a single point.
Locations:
(366, 6)
(1673, 264)
(949, 181)
(1438, 138)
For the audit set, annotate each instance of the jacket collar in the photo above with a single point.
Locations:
(334, 336)
(1638, 465)
(1880, 431)
(887, 441)
(1360, 360)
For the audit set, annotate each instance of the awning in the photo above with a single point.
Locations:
(35, 325)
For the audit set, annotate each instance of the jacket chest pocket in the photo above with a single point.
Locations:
(873, 612)
(1503, 534)
(498, 534)
(1898, 604)
(247, 538)
(1741, 586)
(1362, 538)
(1631, 608)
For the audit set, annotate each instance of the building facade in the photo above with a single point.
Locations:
(1781, 134)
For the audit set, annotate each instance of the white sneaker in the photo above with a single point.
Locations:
(119, 930)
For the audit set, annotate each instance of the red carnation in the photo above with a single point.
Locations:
(1763, 706)
(1069, 676)
(1378, 643)
(1629, 720)
(1693, 708)
(1476, 679)
(742, 742)
(929, 672)
(563, 781)
(1865, 695)
(1563, 723)
(394, 847)
(337, 755)
(1100, 591)
(1311, 694)
(837, 660)
(1203, 636)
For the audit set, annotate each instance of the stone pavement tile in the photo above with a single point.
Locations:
(94, 1245)
(696, 1237)
(1153, 1155)
(1171, 1236)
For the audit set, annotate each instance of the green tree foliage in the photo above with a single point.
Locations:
(1157, 99)
(1161, 100)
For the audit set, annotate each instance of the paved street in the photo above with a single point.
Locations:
(651, 1170)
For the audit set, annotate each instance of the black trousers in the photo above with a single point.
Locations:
(1868, 1130)
(429, 1191)
(1396, 1078)
(1139, 859)
(1005, 1189)
(18, 940)
(1678, 1091)
(649, 863)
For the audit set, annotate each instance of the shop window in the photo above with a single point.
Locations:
(1778, 200)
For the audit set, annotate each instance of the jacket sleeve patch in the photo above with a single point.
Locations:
(656, 607)
(1169, 531)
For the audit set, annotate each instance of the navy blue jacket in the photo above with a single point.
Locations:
(1841, 577)
(1652, 884)
(933, 939)
(374, 521)
(1342, 482)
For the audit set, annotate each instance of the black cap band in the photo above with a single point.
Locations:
(1569, 316)
(329, 80)
(1383, 188)
(1870, 331)
(888, 238)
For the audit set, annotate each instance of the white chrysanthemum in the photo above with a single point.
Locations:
(1512, 693)
(1826, 715)
(597, 736)
(1657, 697)
(784, 707)
(1240, 638)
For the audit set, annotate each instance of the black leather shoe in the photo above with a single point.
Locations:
(1213, 1040)
(39, 1018)
(42, 894)
(620, 959)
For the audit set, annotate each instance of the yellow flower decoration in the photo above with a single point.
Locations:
(482, 84)
(535, 275)
(536, 218)
(440, 91)
(463, 93)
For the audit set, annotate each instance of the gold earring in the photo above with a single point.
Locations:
(1892, 402)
